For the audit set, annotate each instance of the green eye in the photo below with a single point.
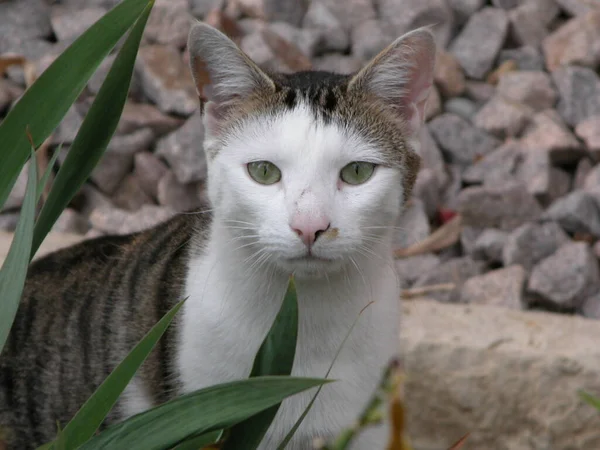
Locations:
(357, 172)
(264, 172)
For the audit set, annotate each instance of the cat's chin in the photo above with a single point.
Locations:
(310, 266)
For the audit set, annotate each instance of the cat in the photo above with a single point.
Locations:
(308, 173)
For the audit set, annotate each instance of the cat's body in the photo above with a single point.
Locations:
(287, 196)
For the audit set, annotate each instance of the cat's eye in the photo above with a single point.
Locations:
(357, 172)
(264, 172)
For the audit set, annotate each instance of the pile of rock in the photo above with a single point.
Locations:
(511, 144)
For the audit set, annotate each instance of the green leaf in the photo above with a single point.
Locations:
(210, 409)
(199, 442)
(94, 134)
(290, 434)
(44, 180)
(14, 269)
(275, 357)
(89, 417)
(590, 399)
(48, 99)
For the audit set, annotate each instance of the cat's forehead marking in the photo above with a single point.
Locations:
(331, 102)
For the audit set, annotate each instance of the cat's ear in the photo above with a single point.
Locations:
(402, 76)
(223, 73)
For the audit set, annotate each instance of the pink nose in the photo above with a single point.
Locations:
(309, 228)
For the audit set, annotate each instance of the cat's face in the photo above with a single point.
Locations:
(310, 171)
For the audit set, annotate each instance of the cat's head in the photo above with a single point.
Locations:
(311, 170)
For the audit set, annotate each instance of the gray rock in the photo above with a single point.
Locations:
(308, 42)
(488, 245)
(433, 106)
(412, 225)
(17, 193)
(110, 171)
(148, 170)
(527, 57)
(589, 131)
(463, 9)
(532, 242)
(9, 221)
(480, 41)
(468, 236)
(291, 11)
(334, 62)
(201, 8)
(461, 106)
(577, 7)
(9, 92)
(592, 179)
(579, 89)
(70, 221)
(166, 80)
(136, 116)
(129, 144)
(503, 117)
(368, 39)
(577, 212)
(591, 307)
(497, 167)
(411, 268)
(567, 277)
(320, 19)
(584, 167)
(36, 50)
(68, 23)
(180, 197)
(432, 158)
(427, 189)
(530, 20)
(544, 181)
(68, 128)
(255, 46)
(504, 207)
(24, 20)
(130, 195)
(352, 12)
(479, 91)
(462, 142)
(183, 151)
(532, 88)
(448, 75)
(501, 287)
(112, 220)
(410, 14)
(576, 42)
(506, 4)
(547, 133)
(456, 271)
(169, 23)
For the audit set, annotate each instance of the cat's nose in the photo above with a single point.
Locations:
(309, 228)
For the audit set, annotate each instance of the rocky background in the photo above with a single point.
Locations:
(507, 205)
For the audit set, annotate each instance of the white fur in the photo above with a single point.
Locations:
(236, 287)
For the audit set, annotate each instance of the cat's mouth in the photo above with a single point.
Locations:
(310, 257)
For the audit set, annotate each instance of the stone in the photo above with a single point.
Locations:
(36, 50)
(592, 179)
(547, 133)
(427, 190)
(488, 245)
(433, 106)
(334, 62)
(432, 158)
(109, 219)
(146, 217)
(130, 195)
(589, 131)
(166, 80)
(530, 20)
(351, 12)
(89, 199)
(456, 271)
(17, 193)
(544, 181)
(291, 11)
(579, 91)
(527, 57)
(497, 167)
(412, 226)
(591, 307)
(24, 20)
(255, 46)
(307, 41)
(143, 115)
(169, 23)
(468, 236)
(531, 88)
(463, 9)
(531, 242)
(448, 75)
(68, 23)
(494, 367)
(578, 7)
(368, 39)
(110, 171)
(9, 92)
(461, 141)
(9, 221)
(148, 170)
(584, 167)
(319, 18)
(180, 197)
(501, 287)
(506, 4)
(201, 8)
(480, 41)
(479, 91)
(70, 221)
(402, 17)
(183, 151)
(411, 268)
(131, 143)
(505, 207)
(503, 117)
(567, 277)
(577, 212)
(461, 106)
(576, 42)
(67, 129)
